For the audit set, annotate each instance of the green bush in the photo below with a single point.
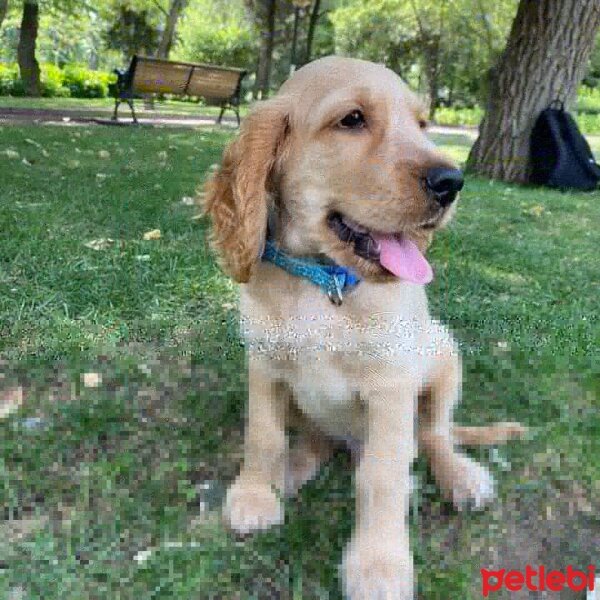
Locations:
(588, 100)
(589, 123)
(84, 83)
(458, 116)
(53, 82)
(73, 80)
(10, 83)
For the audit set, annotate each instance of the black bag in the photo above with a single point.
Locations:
(560, 155)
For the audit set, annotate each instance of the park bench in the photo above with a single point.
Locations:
(218, 86)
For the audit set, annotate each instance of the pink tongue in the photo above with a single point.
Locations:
(403, 259)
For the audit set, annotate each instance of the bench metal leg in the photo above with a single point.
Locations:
(115, 116)
(130, 102)
(237, 114)
(220, 115)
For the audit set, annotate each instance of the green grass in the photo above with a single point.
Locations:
(106, 473)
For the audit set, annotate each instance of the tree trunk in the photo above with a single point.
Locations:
(3, 10)
(545, 59)
(312, 26)
(28, 64)
(265, 53)
(166, 42)
(432, 59)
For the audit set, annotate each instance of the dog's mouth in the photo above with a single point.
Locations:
(360, 237)
(394, 252)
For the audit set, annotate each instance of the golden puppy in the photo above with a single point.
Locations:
(323, 207)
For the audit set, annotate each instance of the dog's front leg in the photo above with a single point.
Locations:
(252, 502)
(378, 562)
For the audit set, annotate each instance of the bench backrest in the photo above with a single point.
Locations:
(156, 76)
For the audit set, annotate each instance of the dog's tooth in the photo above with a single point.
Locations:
(353, 225)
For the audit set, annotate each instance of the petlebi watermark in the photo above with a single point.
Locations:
(541, 579)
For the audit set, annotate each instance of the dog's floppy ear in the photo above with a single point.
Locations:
(238, 197)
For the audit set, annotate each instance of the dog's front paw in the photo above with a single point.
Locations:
(471, 485)
(250, 507)
(377, 570)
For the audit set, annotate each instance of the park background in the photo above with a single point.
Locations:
(122, 378)
(443, 49)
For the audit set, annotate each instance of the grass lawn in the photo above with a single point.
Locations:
(122, 383)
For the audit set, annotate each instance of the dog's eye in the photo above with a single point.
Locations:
(353, 120)
(422, 123)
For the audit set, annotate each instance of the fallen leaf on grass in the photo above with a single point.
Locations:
(153, 234)
(26, 162)
(33, 143)
(188, 201)
(11, 153)
(198, 217)
(15, 530)
(144, 555)
(73, 164)
(10, 401)
(536, 211)
(91, 380)
(162, 155)
(103, 154)
(99, 244)
(16, 593)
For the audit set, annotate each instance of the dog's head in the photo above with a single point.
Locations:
(339, 164)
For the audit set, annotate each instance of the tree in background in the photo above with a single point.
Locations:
(442, 47)
(133, 31)
(226, 38)
(176, 8)
(592, 78)
(28, 64)
(545, 59)
(3, 10)
(264, 13)
(315, 15)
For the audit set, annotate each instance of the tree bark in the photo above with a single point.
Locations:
(545, 59)
(430, 44)
(312, 26)
(266, 22)
(166, 42)
(3, 10)
(28, 64)
(432, 60)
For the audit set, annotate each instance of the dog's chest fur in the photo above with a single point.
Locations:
(326, 353)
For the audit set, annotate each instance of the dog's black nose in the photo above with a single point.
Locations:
(444, 184)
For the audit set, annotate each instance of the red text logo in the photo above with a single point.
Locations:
(537, 581)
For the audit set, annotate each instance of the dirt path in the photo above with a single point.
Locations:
(48, 116)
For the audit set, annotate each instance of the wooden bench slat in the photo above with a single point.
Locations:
(160, 79)
(213, 84)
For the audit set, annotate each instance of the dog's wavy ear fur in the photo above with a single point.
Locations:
(238, 195)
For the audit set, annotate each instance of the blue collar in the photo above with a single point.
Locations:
(332, 279)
